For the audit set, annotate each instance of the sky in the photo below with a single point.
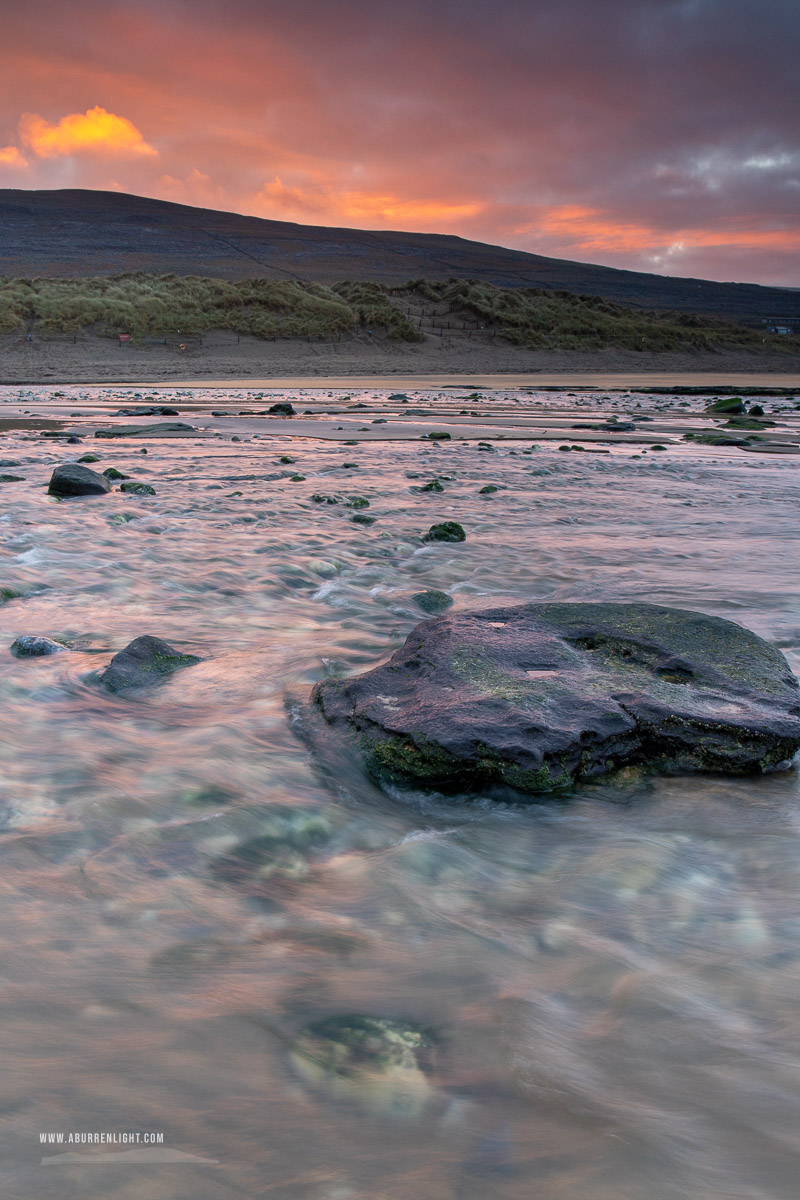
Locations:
(655, 135)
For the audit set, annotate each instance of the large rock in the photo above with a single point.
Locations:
(539, 696)
(71, 479)
(144, 661)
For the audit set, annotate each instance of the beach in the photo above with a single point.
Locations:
(204, 886)
(225, 356)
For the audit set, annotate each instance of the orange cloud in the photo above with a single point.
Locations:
(364, 206)
(10, 156)
(325, 200)
(591, 230)
(94, 132)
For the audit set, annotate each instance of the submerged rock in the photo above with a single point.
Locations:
(432, 601)
(289, 840)
(148, 410)
(72, 479)
(163, 427)
(144, 661)
(540, 696)
(376, 1062)
(29, 646)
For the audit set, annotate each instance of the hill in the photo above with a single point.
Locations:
(76, 234)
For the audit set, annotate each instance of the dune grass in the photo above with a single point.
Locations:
(144, 306)
(540, 319)
(157, 306)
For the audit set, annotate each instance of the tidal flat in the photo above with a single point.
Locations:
(319, 990)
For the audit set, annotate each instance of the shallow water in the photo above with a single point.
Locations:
(612, 977)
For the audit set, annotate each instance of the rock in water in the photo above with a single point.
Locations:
(727, 404)
(137, 488)
(30, 646)
(144, 661)
(432, 601)
(540, 696)
(446, 531)
(376, 1062)
(281, 409)
(72, 479)
(163, 427)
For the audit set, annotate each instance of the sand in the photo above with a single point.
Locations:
(361, 361)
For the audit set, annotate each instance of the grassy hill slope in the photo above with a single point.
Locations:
(77, 233)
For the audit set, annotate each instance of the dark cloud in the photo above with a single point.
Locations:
(659, 134)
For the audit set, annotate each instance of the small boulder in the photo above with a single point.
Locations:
(71, 479)
(113, 473)
(432, 601)
(727, 404)
(446, 531)
(28, 646)
(136, 488)
(282, 409)
(144, 661)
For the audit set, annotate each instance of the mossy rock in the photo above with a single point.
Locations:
(747, 423)
(144, 661)
(445, 531)
(437, 436)
(539, 697)
(727, 404)
(718, 439)
(381, 1064)
(433, 601)
(135, 488)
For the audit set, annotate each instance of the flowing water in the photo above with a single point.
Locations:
(612, 976)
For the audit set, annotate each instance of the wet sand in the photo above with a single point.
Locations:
(222, 359)
(604, 380)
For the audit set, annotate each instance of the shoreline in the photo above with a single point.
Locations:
(224, 361)
(586, 381)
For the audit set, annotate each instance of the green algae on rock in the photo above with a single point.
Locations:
(379, 1063)
(541, 696)
(136, 488)
(144, 661)
(445, 531)
(727, 404)
(432, 600)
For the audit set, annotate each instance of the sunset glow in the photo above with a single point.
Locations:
(94, 132)
(641, 137)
